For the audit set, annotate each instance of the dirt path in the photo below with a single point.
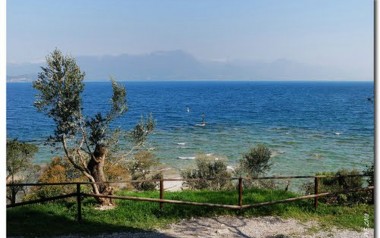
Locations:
(261, 227)
(236, 227)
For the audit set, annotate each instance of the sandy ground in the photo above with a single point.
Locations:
(170, 173)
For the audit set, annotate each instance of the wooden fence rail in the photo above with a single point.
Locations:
(78, 194)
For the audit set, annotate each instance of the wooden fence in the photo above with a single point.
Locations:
(239, 205)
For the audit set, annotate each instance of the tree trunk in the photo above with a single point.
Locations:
(13, 195)
(96, 168)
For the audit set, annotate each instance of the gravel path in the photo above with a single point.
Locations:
(260, 227)
(231, 227)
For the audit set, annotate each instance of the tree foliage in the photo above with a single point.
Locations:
(19, 166)
(19, 158)
(60, 85)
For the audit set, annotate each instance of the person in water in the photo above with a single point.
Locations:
(203, 119)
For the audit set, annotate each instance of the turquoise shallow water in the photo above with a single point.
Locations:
(309, 127)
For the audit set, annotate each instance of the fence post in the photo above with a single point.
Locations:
(240, 191)
(316, 187)
(161, 192)
(79, 204)
(13, 195)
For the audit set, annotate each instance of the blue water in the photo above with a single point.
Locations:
(309, 126)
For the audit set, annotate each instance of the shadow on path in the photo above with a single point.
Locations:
(32, 222)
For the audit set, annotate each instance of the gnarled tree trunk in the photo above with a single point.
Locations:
(96, 168)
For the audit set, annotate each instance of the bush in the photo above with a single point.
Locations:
(256, 161)
(140, 168)
(116, 170)
(211, 170)
(370, 171)
(59, 170)
(339, 184)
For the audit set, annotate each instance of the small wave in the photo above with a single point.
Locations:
(277, 153)
(186, 157)
(338, 133)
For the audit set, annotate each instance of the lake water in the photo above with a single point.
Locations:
(309, 126)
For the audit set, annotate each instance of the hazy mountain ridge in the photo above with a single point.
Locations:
(179, 65)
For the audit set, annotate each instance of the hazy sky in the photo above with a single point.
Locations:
(338, 33)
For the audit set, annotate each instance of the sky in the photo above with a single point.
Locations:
(334, 33)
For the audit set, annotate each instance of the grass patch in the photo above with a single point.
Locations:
(59, 218)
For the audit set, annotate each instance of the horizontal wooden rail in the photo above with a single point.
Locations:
(307, 197)
(42, 200)
(309, 177)
(142, 199)
(46, 184)
(163, 201)
(184, 180)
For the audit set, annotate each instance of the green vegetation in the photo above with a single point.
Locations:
(20, 168)
(257, 161)
(57, 171)
(141, 168)
(60, 218)
(344, 180)
(254, 163)
(370, 171)
(211, 170)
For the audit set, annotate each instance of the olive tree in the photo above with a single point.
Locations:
(85, 139)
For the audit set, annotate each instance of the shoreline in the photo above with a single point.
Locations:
(171, 173)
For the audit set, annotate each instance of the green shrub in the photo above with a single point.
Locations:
(339, 184)
(211, 171)
(141, 168)
(254, 163)
(370, 171)
(257, 161)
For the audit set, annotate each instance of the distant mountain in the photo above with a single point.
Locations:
(179, 65)
(161, 65)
